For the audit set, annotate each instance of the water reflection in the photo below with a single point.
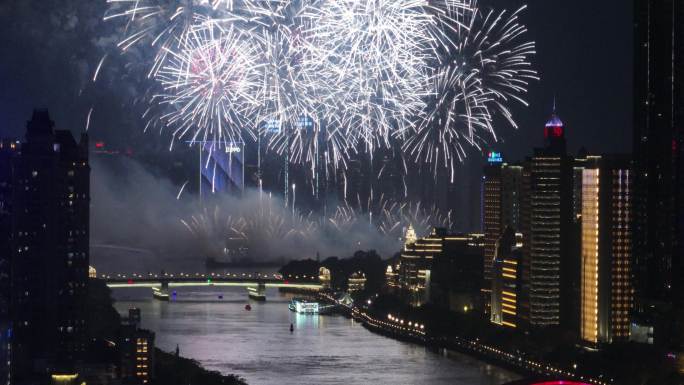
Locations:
(258, 345)
(307, 320)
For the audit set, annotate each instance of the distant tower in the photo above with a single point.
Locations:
(222, 168)
(410, 237)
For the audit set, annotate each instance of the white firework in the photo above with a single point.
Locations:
(484, 63)
(322, 79)
(210, 86)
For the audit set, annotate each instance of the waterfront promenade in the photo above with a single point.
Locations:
(395, 326)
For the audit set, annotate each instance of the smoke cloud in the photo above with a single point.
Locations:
(138, 224)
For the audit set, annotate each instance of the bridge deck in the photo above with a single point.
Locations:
(122, 283)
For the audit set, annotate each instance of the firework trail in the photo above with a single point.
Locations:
(484, 64)
(323, 79)
(390, 218)
(210, 86)
(261, 230)
(268, 229)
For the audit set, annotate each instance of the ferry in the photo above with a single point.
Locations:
(159, 294)
(256, 294)
(302, 306)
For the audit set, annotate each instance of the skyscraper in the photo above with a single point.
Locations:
(506, 279)
(9, 149)
(606, 278)
(547, 212)
(501, 209)
(50, 239)
(222, 169)
(658, 141)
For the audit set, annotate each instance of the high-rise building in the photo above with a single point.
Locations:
(501, 191)
(50, 239)
(222, 168)
(456, 274)
(546, 227)
(417, 258)
(506, 279)
(606, 277)
(137, 354)
(658, 161)
(9, 149)
(491, 221)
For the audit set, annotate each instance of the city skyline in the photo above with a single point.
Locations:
(341, 191)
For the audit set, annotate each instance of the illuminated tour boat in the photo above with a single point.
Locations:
(303, 306)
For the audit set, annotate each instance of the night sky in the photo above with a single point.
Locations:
(50, 48)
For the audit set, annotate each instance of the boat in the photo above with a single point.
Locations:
(303, 306)
(159, 294)
(256, 294)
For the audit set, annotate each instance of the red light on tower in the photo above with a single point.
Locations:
(99, 144)
(554, 128)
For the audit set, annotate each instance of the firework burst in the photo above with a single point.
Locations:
(322, 79)
(210, 86)
(484, 64)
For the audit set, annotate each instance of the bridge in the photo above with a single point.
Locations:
(161, 283)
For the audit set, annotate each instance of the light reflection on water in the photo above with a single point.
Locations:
(258, 345)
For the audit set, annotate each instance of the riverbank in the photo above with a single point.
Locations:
(414, 332)
(175, 370)
(258, 345)
(640, 365)
(107, 335)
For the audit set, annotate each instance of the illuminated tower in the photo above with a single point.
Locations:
(410, 237)
(547, 225)
(222, 168)
(501, 209)
(491, 222)
(506, 279)
(606, 287)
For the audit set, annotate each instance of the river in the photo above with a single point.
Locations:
(258, 345)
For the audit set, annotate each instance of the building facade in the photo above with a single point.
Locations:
(415, 267)
(506, 279)
(137, 354)
(658, 161)
(606, 278)
(50, 250)
(502, 184)
(456, 274)
(9, 150)
(546, 226)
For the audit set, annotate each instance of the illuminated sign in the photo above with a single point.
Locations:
(272, 126)
(494, 157)
(304, 122)
(233, 149)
